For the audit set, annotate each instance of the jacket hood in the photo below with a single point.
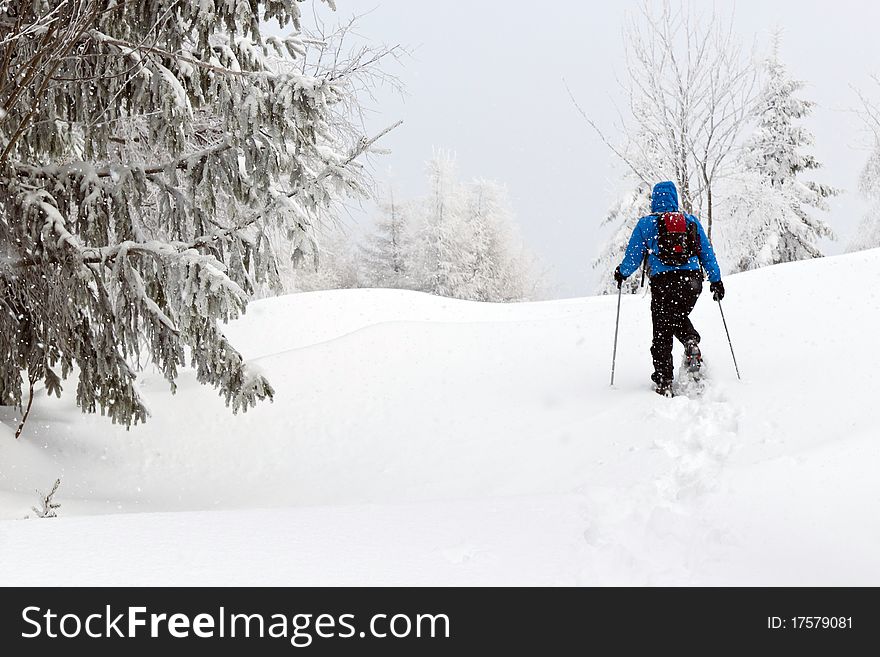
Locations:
(664, 198)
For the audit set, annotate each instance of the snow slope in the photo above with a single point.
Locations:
(417, 440)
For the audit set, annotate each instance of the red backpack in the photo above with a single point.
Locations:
(677, 239)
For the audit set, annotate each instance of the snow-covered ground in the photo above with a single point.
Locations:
(417, 440)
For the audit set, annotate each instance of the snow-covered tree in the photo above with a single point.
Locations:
(148, 151)
(386, 255)
(691, 87)
(756, 215)
(459, 240)
(867, 236)
(466, 245)
(442, 249)
(770, 215)
(500, 267)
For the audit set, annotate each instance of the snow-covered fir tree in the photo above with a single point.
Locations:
(442, 249)
(149, 152)
(500, 267)
(867, 235)
(755, 216)
(386, 254)
(467, 246)
(771, 216)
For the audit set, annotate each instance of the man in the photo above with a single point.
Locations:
(678, 251)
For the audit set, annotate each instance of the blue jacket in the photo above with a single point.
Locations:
(664, 198)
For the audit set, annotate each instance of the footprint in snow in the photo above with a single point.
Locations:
(702, 434)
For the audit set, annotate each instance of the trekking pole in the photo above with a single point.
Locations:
(644, 269)
(728, 340)
(616, 326)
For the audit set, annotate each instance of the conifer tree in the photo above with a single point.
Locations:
(500, 268)
(466, 244)
(148, 151)
(867, 236)
(442, 248)
(772, 214)
(387, 252)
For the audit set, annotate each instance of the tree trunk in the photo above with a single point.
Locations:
(709, 213)
(708, 183)
(27, 411)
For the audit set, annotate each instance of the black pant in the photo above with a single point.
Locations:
(673, 296)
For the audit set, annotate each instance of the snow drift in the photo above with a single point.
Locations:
(419, 440)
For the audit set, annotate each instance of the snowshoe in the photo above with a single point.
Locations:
(693, 360)
(664, 388)
(691, 380)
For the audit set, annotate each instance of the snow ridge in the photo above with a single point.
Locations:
(417, 440)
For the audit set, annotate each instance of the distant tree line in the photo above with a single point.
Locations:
(459, 240)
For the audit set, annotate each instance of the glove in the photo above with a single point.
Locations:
(618, 277)
(717, 289)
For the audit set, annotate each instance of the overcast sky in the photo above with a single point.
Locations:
(486, 81)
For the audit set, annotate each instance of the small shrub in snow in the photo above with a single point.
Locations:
(48, 506)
